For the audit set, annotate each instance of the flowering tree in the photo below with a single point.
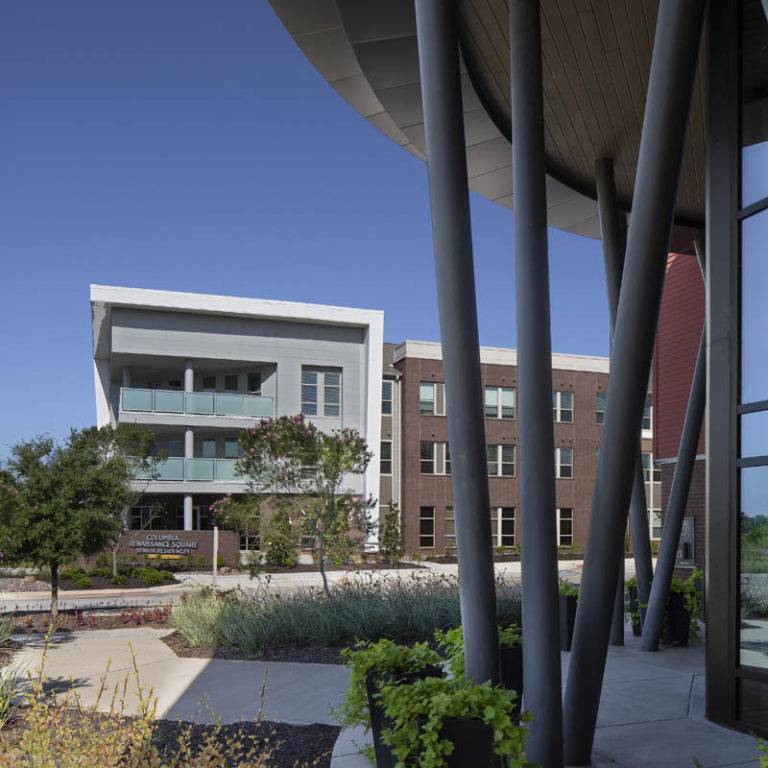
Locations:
(292, 457)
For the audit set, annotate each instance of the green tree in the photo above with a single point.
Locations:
(60, 502)
(242, 515)
(308, 468)
(281, 539)
(391, 547)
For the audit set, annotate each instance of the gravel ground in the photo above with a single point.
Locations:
(13, 584)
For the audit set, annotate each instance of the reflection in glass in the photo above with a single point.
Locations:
(754, 567)
(754, 308)
(754, 103)
(754, 434)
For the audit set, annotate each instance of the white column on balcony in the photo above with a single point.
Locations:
(189, 453)
(189, 377)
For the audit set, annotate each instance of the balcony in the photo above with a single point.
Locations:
(196, 403)
(205, 470)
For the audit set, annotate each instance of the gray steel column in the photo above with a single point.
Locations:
(451, 231)
(673, 65)
(541, 650)
(678, 498)
(613, 236)
(641, 540)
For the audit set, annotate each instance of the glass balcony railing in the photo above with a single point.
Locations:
(196, 403)
(199, 469)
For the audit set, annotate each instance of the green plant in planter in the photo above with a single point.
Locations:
(686, 588)
(383, 658)
(453, 641)
(567, 588)
(419, 710)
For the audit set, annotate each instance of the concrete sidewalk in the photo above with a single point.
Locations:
(651, 716)
(651, 713)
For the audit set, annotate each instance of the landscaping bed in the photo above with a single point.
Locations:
(83, 621)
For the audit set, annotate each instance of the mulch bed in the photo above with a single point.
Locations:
(301, 653)
(292, 746)
(100, 582)
(311, 568)
(84, 621)
(453, 560)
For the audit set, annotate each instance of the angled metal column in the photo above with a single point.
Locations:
(673, 65)
(678, 497)
(541, 651)
(641, 541)
(613, 236)
(451, 231)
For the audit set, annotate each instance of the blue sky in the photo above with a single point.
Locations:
(188, 145)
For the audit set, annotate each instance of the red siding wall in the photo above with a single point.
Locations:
(677, 341)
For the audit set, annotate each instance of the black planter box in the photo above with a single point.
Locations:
(512, 672)
(379, 721)
(472, 740)
(567, 605)
(677, 622)
(634, 611)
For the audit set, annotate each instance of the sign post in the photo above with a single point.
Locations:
(215, 557)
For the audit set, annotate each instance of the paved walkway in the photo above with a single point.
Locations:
(651, 713)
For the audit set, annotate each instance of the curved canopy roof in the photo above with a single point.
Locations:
(596, 60)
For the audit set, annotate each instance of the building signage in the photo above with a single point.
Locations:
(684, 557)
(163, 544)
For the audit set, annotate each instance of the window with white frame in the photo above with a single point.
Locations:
(651, 472)
(450, 529)
(254, 383)
(564, 527)
(432, 398)
(503, 526)
(427, 527)
(648, 413)
(142, 517)
(562, 406)
(385, 457)
(563, 462)
(434, 458)
(386, 397)
(320, 391)
(652, 477)
(600, 402)
(501, 460)
(500, 402)
(231, 448)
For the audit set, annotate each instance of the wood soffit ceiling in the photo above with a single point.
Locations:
(596, 58)
(596, 61)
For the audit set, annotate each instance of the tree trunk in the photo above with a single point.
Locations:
(321, 563)
(54, 594)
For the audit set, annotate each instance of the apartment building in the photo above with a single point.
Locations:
(198, 369)
(415, 455)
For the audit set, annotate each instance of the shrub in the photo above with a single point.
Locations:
(453, 643)
(6, 629)
(52, 732)
(220, 561)
(82, 582)
(391, 547)
(104, 573)
(149, 576)
(363, 608)
(281, 539)
(120, 579)
(72, 574)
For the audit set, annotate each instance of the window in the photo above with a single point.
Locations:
(564, 527)
(427, 527)
(648, 413)
(141, 518)
(254, 383)
(450, 529)
(209, 384)
(231, 448)
(231, 383)
(386, 398)
(174, 384)
(434, 458)
(386, 457)
(503, 526)
(649, 468)
(600, 400)
(500, 402)
(562, 406)
(208, 449)
(501, 460)
(175, 448)
(564, 462)
(432, 398)
(320, 392)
